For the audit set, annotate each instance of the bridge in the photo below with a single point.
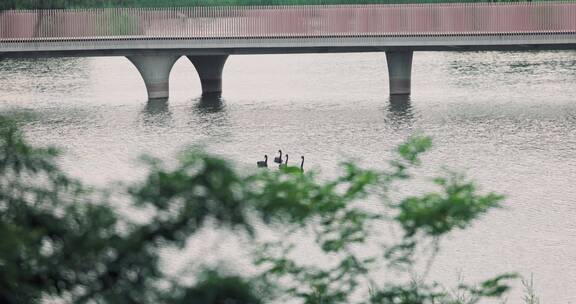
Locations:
(154, 39)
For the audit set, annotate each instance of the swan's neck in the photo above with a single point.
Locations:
(302, 164)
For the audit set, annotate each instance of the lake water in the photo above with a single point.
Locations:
(508, 120)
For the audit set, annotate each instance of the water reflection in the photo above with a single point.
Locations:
(211, 115)
(35, 66)
(400, 112)
(510, 66)
(20, 75)
(156, 112)
(210, 103)
(157, 107)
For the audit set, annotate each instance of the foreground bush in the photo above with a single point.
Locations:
(64, 240)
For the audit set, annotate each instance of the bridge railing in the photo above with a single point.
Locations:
(288, 21)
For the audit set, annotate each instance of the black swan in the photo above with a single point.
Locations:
(284, 165)
(278, 159)
(294, 169)
(263, 163)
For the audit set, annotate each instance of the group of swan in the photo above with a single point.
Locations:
(278, 160)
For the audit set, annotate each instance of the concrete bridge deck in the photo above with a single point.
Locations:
(153, 39)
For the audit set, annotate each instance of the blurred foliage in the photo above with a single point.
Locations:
(51, 4)
(64, 240)
(212, 287)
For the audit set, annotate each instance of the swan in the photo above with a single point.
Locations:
(263, 163)
(300, 169)
(278, 159)
(284, 165)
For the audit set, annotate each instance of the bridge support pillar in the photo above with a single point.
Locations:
(155, 70)
(399, 71)
(209, 68)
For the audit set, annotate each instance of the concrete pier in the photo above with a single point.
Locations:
(209, 68)
(155, 70)
(399, 71)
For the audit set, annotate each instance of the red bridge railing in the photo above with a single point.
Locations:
(289, 21)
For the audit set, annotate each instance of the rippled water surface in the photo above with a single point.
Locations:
(506, 119)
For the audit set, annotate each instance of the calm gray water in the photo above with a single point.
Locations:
(508, 120)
